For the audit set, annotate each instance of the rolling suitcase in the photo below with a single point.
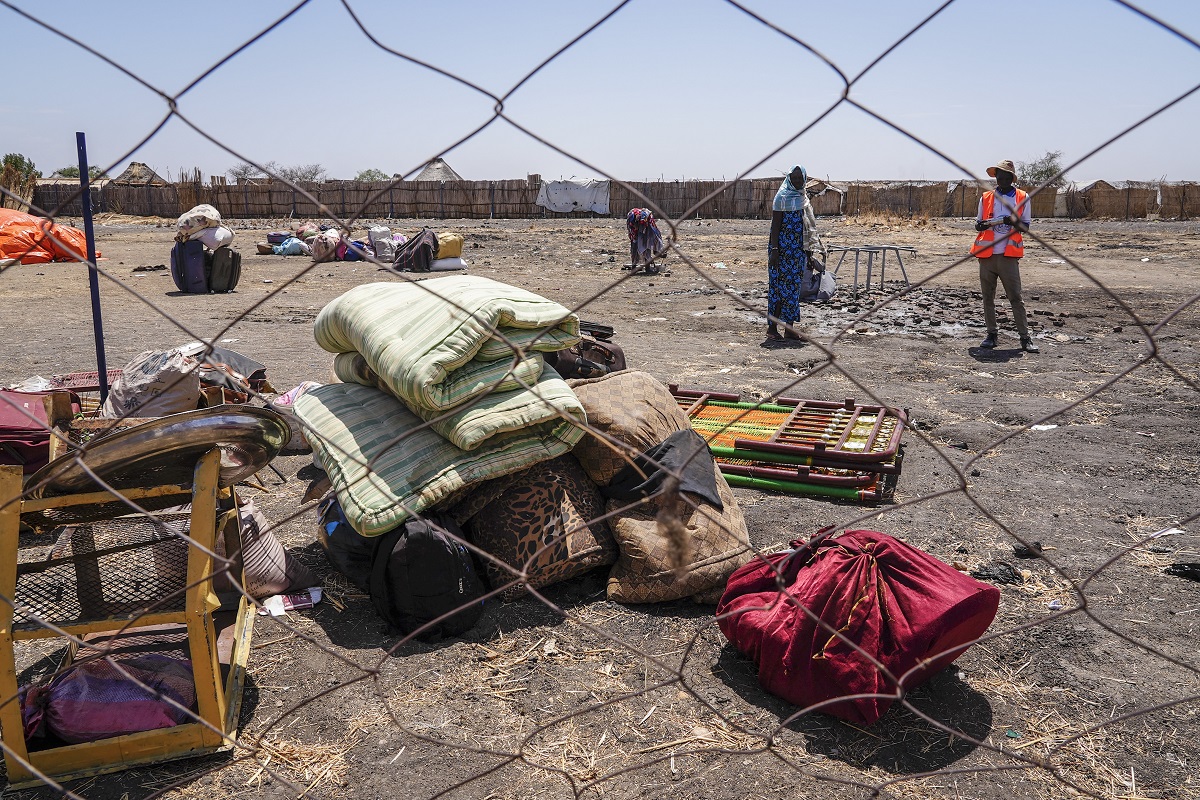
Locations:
(188, 267)
(226, 269)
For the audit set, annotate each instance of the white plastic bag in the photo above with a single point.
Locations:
(212, 238)
(154, 384)
(381, 241)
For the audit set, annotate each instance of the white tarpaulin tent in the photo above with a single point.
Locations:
(567, 196)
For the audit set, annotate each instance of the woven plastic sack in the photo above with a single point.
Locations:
(899, 606)
(269, 568)
(631, 407)
(717, 543)
(325, 245)
(450, 245)
(154, 384)
(381, 241)
(212, 238)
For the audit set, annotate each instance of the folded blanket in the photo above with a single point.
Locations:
(433, 343)
(549, 406)
(386, 467)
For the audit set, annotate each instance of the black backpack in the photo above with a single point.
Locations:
(351, 553)
(420, 572)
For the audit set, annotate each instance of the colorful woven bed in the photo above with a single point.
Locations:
(815, 447)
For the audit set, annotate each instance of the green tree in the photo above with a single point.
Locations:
(1041, 170)
(18, 177)
(94, 173)
(299, 173)
(21, 166)
(372, 175)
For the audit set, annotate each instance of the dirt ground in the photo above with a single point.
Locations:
(593, 699)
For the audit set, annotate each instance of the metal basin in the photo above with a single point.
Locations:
(165, 451)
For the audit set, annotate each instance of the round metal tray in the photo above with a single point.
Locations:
(165, 451)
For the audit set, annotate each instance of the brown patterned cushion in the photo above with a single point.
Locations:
(718, 543)
(547, 506)
(631, 407)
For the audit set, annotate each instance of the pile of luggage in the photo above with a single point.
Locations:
(203, 259)
(457, 453)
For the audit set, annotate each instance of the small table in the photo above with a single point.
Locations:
(870, 251)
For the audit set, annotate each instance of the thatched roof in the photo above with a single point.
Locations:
(438, 170)
(817, 186)
(138, 174)
(1103, 186)
(59, 180)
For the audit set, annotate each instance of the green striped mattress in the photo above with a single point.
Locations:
(386, 465)
(434, 343)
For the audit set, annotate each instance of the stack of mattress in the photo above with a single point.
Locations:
(444, 387)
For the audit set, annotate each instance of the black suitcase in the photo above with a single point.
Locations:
(189, 267)
(226, 269)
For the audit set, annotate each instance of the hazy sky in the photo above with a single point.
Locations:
(663, 88)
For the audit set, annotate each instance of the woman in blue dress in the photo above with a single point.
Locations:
(793, 241)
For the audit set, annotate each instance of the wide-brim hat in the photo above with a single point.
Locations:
(1005, 165)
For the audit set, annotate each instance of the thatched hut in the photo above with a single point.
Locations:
(138, 174)
(1098, 199)
(1071, 201)
(438, 170)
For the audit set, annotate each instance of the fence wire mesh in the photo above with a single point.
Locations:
(1086, 683)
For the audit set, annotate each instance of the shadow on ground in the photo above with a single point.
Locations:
(901, 742)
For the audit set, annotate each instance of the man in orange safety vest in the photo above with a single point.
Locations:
(1002, 216)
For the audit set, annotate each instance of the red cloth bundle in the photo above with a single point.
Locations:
(898, 604)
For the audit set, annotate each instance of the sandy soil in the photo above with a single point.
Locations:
(593, 699)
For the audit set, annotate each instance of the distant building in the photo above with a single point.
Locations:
(438, 170)
(139, 174)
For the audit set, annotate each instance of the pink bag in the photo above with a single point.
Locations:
(94, 700)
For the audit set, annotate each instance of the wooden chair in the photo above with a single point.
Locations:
(113, 583)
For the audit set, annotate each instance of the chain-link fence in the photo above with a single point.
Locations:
(588, 661)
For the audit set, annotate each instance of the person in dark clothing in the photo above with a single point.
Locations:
(793, 241)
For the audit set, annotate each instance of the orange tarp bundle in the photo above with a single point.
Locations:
(34, 240)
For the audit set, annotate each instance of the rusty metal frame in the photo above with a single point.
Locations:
(830, 432)
(218, 707)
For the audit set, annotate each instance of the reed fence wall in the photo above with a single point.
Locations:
(742, 199)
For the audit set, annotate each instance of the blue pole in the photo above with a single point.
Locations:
(93, 277)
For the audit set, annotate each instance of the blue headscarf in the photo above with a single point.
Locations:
(791, 198)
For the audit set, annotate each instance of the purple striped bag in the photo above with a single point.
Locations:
(94, 700)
